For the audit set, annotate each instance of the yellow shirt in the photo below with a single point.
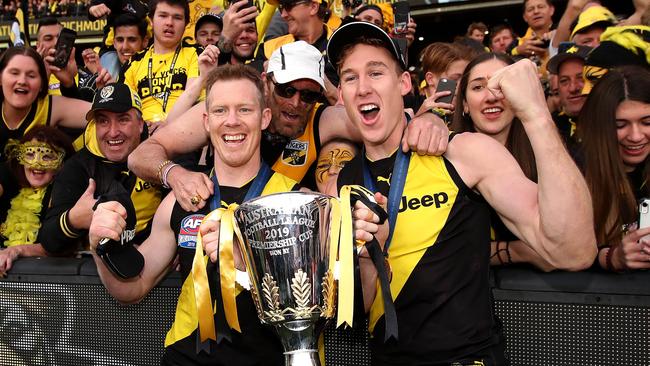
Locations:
(54, 85)
(160, 85)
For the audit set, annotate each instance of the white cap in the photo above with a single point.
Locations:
(297, 60)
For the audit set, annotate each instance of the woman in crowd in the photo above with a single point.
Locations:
(615, 146)
(481, 112)
(34, 161)
(24, 98)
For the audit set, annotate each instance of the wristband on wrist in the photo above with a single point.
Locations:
(166, 172)
(161, 166)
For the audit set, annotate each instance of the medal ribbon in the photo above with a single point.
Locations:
(349, 195)
(397, 182)
(227, 271)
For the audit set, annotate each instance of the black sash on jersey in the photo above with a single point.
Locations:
(221, 324)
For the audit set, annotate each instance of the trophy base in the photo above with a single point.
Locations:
(303, 357)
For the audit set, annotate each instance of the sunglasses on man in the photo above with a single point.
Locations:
(288, 91)
(288, 5)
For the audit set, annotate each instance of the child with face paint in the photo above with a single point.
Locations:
(34, 162)
(331, 159)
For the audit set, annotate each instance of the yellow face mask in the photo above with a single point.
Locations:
(39, 155)
(336, 158)
(590, 75)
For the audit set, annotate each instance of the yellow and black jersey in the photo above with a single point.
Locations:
(39, 115)
(159, 79)
(54, 85)
(110, 177)
(295, 158)
(71, 183)
(439, 257)
(265, 49)
(565, 125)
(256, 345)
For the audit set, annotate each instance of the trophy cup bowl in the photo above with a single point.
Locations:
(287, 253)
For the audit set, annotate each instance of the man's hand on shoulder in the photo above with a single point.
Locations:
(426, 134)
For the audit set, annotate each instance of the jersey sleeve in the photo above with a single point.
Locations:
(58, 235)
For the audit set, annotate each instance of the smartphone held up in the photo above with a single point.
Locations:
(446, 85)
(401, 17)
(63, 48)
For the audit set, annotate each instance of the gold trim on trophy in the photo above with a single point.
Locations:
(301, 289)
(329, 295)
(271, 293)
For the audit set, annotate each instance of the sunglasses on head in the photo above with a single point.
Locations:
(290, 5)
(288, 91)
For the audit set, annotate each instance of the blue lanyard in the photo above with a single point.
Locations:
(397, 182)
(255, 190)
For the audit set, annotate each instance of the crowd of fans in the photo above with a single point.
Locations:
(136, 113)
(44, 8)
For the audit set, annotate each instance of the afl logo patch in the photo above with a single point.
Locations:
(295, 153)
(189, 231)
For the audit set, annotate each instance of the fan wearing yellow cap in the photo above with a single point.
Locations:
(591, 24)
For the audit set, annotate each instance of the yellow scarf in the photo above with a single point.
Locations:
(23, 222)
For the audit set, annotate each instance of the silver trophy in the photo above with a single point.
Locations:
(287, 253)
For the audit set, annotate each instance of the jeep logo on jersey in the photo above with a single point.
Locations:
(295, 153)
(437, 199)
(189, 231)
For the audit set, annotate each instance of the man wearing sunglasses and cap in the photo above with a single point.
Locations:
(115, 128)
(299, 127)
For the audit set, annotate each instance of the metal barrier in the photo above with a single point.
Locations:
(55, 311)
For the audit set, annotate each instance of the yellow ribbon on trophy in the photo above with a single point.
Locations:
(345, 314)
(227, 274)
(335, 229)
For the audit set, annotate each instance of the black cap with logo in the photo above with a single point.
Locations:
(566, 51)
(116, 97)
(350, 34)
